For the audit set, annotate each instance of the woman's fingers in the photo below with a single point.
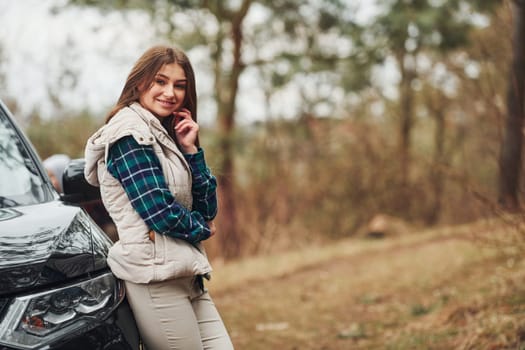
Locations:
(182, 114)
(186, 130)
(213, 228)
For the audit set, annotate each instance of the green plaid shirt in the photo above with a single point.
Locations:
(139, 171)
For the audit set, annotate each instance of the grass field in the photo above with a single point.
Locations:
(455, 288)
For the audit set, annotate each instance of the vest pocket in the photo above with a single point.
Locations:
(138, 253)
(159, 246)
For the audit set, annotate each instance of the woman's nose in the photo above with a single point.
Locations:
(169, 91)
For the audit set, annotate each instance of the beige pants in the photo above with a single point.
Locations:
(177, 314)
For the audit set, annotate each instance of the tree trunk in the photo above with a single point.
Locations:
(226, 88)
(436, 177)
(405, 129)
(511, 150)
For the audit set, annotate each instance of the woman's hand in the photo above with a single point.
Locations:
(186, 131)
(213, 228)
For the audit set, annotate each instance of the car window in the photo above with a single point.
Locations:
(20, 180)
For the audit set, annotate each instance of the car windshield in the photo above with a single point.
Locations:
(20, 180)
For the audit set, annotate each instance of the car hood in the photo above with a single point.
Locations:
(48, 243)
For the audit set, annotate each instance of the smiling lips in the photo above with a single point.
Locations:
(166, 104)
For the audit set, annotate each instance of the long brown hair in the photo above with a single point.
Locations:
(143, 73)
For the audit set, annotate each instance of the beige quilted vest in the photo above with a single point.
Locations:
(135, 257)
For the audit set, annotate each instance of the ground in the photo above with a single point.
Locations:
(455, 288)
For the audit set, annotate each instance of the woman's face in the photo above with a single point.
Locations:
(166, 93)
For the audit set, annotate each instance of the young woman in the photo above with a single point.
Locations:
(156, 186)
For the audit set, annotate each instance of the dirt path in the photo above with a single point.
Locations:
(439, 292)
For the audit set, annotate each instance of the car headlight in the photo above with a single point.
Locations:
(39, 319)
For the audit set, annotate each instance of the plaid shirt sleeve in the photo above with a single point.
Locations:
(204, 186)
(139, 171)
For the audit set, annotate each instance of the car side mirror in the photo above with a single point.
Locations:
(76, 189)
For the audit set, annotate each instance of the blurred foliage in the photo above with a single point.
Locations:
(315, 177)
(65, 134)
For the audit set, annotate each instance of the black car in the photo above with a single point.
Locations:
(56, 290)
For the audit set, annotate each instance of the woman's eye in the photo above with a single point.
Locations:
(180, 87)
(160, 82)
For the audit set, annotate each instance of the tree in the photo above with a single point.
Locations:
(302, 27)
(408, 30)
(511, 148)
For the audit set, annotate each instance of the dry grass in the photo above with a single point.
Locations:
(443, 289)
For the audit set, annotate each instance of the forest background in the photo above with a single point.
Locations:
(439, 144)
